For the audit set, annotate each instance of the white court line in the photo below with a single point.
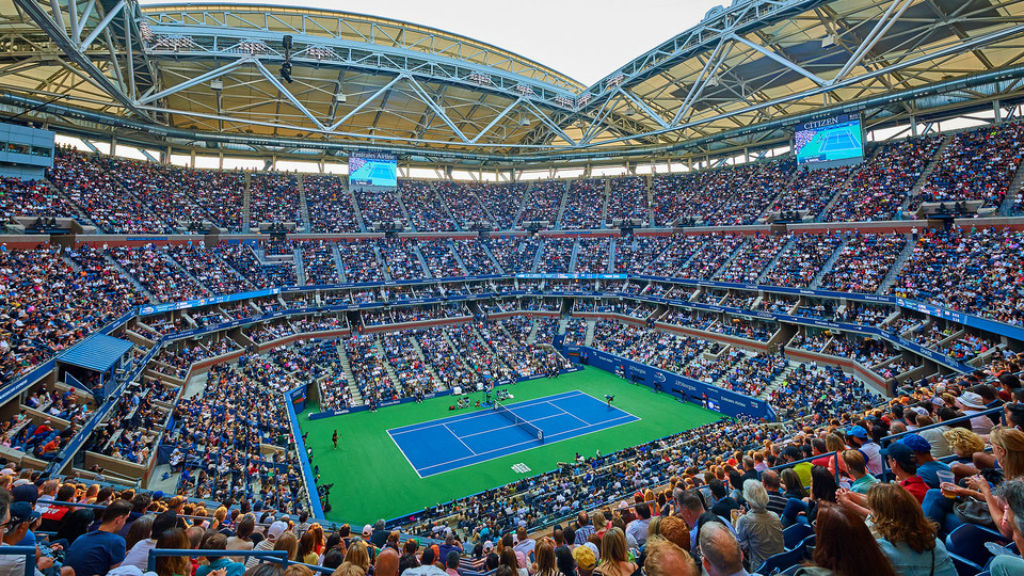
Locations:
(459, 438)
(569, 414)
(414, 469)
(443, 421)
(506, 447)
(507, 427)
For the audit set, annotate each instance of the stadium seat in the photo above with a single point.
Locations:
(781, 562)
(964, 567)
(968, 541)
(794, 535)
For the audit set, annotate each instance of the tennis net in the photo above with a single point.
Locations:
(519, 421)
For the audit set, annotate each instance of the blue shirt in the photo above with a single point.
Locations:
(927, 472)
(233, 568)
(910, 563)
(95, 553)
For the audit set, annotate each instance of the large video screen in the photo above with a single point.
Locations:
(373, 169)
(836, 140)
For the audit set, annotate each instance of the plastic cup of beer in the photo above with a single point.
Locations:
(944, 477)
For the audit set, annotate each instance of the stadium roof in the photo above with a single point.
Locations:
(98, 352)
(209, 75)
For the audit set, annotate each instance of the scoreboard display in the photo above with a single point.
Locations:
(829, 142)
(373, 169)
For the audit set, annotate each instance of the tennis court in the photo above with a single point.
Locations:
(451, 443)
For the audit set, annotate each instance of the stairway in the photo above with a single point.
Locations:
(387, 365)
(838, 193)
(355, 207)
(776, 382)
(774, 261)
(572, 256)
(487, 250)
(124, 273)
(531, 337)
(422, 261)
(894, 272)
(300, 268)
(450, 244)
(401, 205)
(383, 265)
(350, 377)
(923, 179)
(732, 256)
(423, 358)
(561, 206)
(174, 264)
(537, 257)
(339, 264)
(827, 267)
(304, 208)
(604, 203)
(588, 340)
(455, 351)
(613, 245)
(1012, 192)
(246, 201)
(522, 205)
(649, 189)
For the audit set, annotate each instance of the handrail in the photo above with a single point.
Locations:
(957, 420)
(276, 556)
(29, 552)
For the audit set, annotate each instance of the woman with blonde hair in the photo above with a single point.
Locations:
(614, 555)
(546, 564)
(905, 536)
(358, 555)
(964, 443)
(1008, 450)
(218, 518)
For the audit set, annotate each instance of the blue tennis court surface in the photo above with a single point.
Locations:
(450, 443)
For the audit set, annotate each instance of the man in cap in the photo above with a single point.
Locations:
(903, 463)
(273, 533)
(927, 467)
(859, 439)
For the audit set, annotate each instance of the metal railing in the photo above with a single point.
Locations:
(276, 556)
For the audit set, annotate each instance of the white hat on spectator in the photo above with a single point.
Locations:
(971, 400)
(21, 481)
(276, 529)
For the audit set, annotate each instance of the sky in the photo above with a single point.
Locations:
(584, 39)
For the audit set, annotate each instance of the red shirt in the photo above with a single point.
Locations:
(916, 486)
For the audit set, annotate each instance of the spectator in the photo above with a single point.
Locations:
(927, 466)
(99, 551)
(721, 554)
(585, 560)
(855, 466)
(905, 535)
(217, 541)
(759, 531)
(903, 463)
(1012, 492)
(844, 546)
(637, 529)
(138, 555)
(173, 539)
(273, 533)
(386, 564)
(666, 559)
